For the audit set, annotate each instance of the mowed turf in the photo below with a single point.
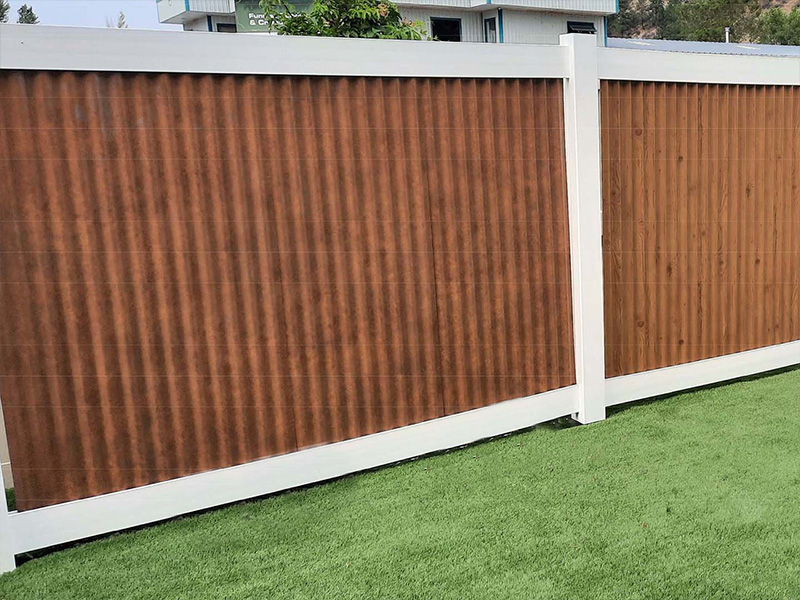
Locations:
(691, 497)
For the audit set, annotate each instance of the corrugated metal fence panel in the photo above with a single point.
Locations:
(143, 333)
(358, 275)
(501, 239)
(199, 271)
(701, 221)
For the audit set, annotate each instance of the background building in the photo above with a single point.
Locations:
(493, 21)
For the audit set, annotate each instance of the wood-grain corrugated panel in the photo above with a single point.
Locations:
(501, 237)
(199, 271)
(357, 273)
(142, 332)
(701, 198)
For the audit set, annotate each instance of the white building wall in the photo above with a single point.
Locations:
(170, 9)
(471, 21)
(573, 6)
(212, 6)
(436, 3)
(601, 7)
(532, 27)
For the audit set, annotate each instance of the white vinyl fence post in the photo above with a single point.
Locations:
(584, 179)
(7, 562)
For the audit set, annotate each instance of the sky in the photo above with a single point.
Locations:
(140, 14)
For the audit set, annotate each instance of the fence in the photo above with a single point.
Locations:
(238, 264)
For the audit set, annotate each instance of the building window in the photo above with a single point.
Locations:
(446, 30)
(226, 27)
(490, 30)
(580, 27)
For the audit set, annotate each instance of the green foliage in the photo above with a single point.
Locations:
(779, 27)
(665, 18)
(11, 499)
(645, 18)
(342, 18)
(626, 22)
(26, 15)
(5, 8)
(705, 20)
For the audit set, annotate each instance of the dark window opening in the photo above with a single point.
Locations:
(446, 30)
(226, 27)
(490, 30)
(580, 27)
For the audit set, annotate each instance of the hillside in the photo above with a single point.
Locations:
(706, 20)
(784, 4)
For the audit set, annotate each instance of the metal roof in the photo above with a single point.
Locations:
(704, 47)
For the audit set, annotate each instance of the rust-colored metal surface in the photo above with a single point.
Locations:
(701, 221)
(199, 271)
(501, 237)
(357, 273)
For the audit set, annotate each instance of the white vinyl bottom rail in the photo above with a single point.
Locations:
(70, 521)
(61, 523)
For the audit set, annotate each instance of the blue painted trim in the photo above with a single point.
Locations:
(186, 2)
(209, 24)
(605, 31)
(616, 10)
(490, 1)
(500, 23)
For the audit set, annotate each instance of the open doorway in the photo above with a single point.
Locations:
(490, 30)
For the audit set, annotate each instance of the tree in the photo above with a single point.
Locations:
(644, 18)
(625, 23)
(779, 27)
(665, 18)
(26, 15)
(121, 23)
(342, 18)
(705, 20)
(5, 8)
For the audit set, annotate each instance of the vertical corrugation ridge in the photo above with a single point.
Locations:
(381, 370)
(190, 165)
(345, 217)
(518, 322)
(555, 164)
(187, 362)
(154, 325)
(272, 430)
(416, 113)
(545, 224)
(220, 276)
(502, 297)
(649, 234)
(17, 154)
(238, 246)
(74, 114)
(58, 192)
(267, 203)
(113, 338)
(455, 343)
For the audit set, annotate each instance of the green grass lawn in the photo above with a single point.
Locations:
(691, 497)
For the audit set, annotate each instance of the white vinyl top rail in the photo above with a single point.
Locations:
(95, 49)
